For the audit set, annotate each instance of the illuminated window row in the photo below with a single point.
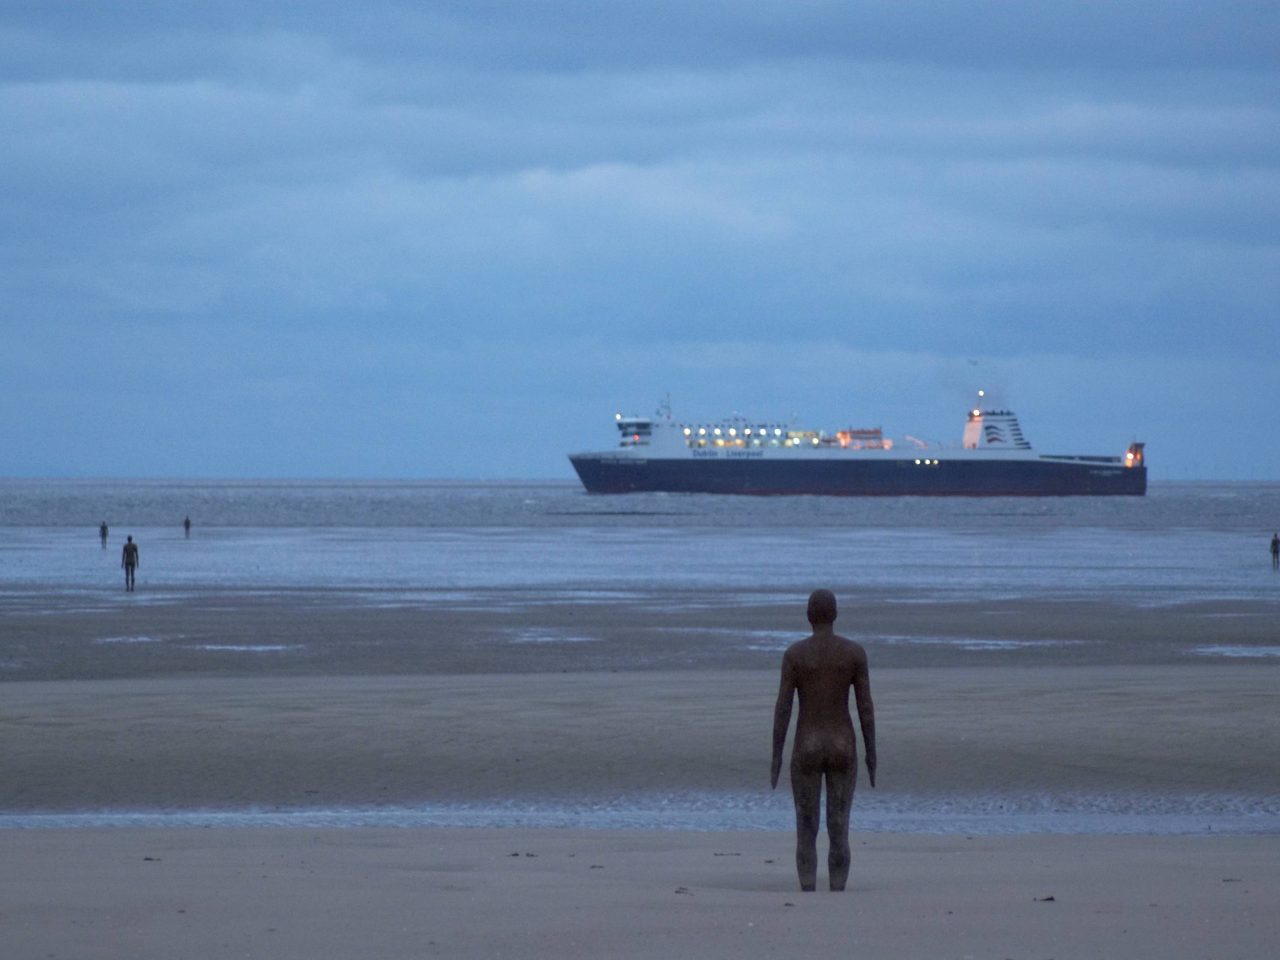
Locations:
(744, 442)
(733, 431)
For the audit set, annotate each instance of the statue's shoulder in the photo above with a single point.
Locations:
(853, 647)
(796, 647)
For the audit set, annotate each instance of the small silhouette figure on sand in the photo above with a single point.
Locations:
(186, 526)
(129, 560)
(102, 533)
(821, 669)
(1275, 551)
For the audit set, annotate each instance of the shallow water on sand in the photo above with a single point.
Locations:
(1180, 543)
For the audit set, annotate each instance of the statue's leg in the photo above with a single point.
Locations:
(840, 782)
(806, 790)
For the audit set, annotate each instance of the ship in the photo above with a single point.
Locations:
(761, 458)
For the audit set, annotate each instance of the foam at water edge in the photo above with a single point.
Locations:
(247, 647)
(1031, 814)
(1235, 652)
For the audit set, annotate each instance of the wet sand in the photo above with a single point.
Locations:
(100, 635)
(238, 742)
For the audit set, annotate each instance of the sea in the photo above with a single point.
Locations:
(1184, 542)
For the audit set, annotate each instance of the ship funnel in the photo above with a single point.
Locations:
(997, 429)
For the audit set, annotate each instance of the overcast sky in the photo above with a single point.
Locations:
(381, 239)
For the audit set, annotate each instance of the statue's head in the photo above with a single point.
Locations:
(822, 607)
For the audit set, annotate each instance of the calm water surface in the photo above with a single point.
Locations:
(1181, 542)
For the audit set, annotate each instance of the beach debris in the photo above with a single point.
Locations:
(151, 859)
(1232, 880)
(597, 866)
(684, 890)
(788, 904)
(718, 854)
(1049, 899)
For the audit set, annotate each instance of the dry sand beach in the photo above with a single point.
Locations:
(384, 729)
(303, 894)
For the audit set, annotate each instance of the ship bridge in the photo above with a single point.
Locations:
(634, 431)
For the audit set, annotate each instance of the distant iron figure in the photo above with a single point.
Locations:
(1275, 551)
(186, 526)
(129, 560)
(102, 534)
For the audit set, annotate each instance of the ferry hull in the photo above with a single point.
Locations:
(603, 473)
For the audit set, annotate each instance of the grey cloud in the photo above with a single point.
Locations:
(584, 34)
(264, 190)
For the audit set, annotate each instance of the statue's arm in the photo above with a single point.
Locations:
(782, 718)
(866, 714)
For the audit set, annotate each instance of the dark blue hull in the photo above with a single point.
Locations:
(1098, 476)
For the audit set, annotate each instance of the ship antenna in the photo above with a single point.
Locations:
(664, 407)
